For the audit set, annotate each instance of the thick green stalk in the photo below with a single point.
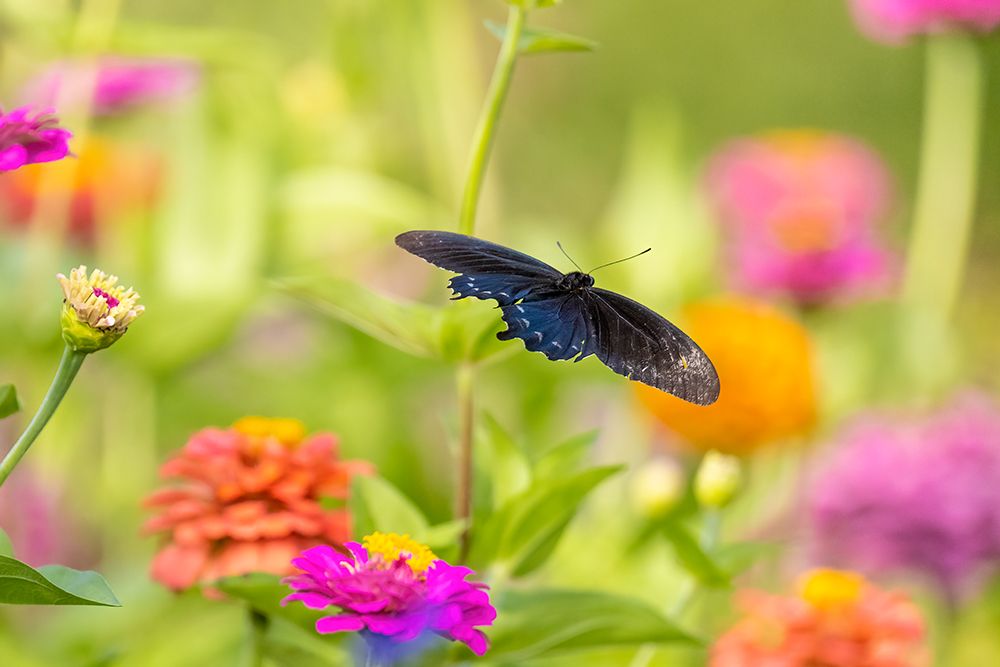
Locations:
(464, 389)
(486, 128)
(946, 188)
(69, 365)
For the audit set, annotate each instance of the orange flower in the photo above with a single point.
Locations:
(106, 179)
(248, 500)
(837, 620)
(765, 364)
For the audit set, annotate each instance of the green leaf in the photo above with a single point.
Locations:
(6, 548)
(548, 623)
(693, 558)
(739, 557)
(467, 332)
(565, 456)
(524, 531)
(264, 592)
(444, 535)
(507, 463)
(378, 505)
(8, 400)
(52, 585)
(411, 327)
(290, 645)
(540, 40)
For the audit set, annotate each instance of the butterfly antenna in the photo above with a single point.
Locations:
(619, 261)
(568, 257)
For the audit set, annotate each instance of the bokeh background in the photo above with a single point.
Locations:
(317, 131)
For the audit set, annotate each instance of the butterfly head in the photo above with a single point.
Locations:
(575, 280)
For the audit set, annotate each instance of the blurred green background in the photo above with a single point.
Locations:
(323, 128)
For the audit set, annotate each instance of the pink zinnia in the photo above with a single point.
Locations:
(915, 494)
(800, 212)
(895, 20)
(115, 83)
(392, 589)
(27, 138)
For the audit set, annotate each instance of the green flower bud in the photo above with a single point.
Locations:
(717, 480)
(657, 486)
(96, 311)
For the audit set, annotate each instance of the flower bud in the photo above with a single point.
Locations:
(96, 309)
(717, 480)
(657, 486)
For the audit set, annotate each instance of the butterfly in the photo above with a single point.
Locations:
(562, 315)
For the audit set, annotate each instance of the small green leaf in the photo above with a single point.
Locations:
(739, 557)
(507, 463)
(264, 592)
(540, 40)
(378, 505)
(52, 585)
(8, 400)
(467, 332)
(6, 548)
(564, 457)
(524, 531)
(548, 623)
(692, 557)
(444, 535)
(290, 645)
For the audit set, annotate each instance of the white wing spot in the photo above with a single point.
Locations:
(556, 343)
(519, 309)
(524, 322)
(538, 335)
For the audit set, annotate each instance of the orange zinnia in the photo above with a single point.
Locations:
(765, 364)
(248, 499)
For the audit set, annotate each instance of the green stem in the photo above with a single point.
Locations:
(69, 365)
(465, 389)
(946, 188)
(485, 129)
(258, 623)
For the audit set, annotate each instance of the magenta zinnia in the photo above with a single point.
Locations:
(395, 588)
(894, 20)
(26, 138)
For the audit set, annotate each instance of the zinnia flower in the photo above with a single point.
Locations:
(114, 83)
(914, 493)
(28, 137)
(765, 364)
(895, 20)
(838, 619)
(393, 588)
(97, 311)
(799, 211)
(106, 180)
(248, 499)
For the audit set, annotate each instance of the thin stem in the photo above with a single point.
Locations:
(258, 623)
(465, 390)
(946, 187)
(69, 365)
(485, 129)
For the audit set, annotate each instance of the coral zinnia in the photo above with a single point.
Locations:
(915, 494)
(837, 620)
(248, 500)
(893, 20)
(765, 365)
(800, 211)
(394, 588)
(27, 138)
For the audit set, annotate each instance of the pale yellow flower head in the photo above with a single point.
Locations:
(97, 310)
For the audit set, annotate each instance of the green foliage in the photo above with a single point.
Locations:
(693, 558)
(378, 505)
(533, 4)
(52, 585)
(548, 623)
(8, 401)
(6, 548)
(264, 593)
(542, 40)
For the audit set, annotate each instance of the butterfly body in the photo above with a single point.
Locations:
(563, 316)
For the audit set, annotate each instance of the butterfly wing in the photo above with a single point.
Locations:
(488, 270)
(634, 341)
(553, 322)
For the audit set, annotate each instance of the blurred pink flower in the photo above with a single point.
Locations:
(28, 137)
(915, 493)
(895, 20)
(395, 588)
(115, 83)
(799, 211)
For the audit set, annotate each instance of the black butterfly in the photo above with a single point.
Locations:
(565, 316)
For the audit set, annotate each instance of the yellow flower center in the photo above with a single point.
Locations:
(827, 589)
(288, 432)
(391, 546)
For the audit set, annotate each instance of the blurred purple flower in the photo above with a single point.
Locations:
(401, 598)
(915, 494)
(28, 137)
(799, 210)
(115, 83)
(895, 20)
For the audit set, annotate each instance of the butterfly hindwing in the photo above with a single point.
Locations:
(636, 342)
(553, 323)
